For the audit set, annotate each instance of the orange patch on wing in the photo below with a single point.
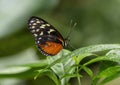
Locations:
(51, 48)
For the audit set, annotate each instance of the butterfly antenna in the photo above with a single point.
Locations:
(72, 26)
(71, 29)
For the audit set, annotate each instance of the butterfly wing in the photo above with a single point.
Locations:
(47, 38)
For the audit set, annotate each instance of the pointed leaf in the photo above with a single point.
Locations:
(109, 72)
(88, 70)
(113, 55)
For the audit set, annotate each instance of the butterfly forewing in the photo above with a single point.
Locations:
(47, 38)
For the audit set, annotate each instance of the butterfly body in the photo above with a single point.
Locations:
(47, 38)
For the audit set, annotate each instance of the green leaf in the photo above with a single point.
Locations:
(106, 64)
(50, 74)
(113, 55)
(87, 51)
(107, 74)
(96, 48)
(68, 60)
(91, 49)
(57, 67)
(57, 58)
(88, 71)
(41, 64)
(54, 78)
(107, 79)
(14, 70)
(78, 59)
(17, 72)
(99, 58)
(71, 76)
(41, 72)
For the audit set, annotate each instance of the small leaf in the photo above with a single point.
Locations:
(75, 59)
(99, 58)
(106, 64)
(14, 70)
(40, 72)
(89, 71)
(50, 74)
(71, 76)
(107, 79)
(58, 69)
(113, 55)
(80, 57)
(57, 58)
(41, 63)
(53, 77)
(109, 72)
(17, 72)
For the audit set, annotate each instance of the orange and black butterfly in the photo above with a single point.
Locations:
(47, 38)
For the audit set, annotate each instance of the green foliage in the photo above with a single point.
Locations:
(66, 65)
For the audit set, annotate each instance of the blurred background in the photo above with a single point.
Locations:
(98, 22)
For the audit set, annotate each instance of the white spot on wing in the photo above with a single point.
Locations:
(33, 27)
(35, 35)
(38, 42)
(37, 21)
(29, 23)
(42, 26)
(32, 31)
(34, 23)
(51, 30)
(41, 33)
(48, 25)
(37, 30)
(39, 38)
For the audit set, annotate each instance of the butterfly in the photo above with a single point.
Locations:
(48, 40)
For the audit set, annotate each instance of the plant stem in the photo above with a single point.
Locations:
(79, 82)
